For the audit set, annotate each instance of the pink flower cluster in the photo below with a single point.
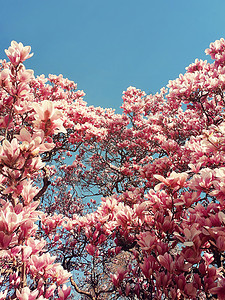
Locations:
(158, 231)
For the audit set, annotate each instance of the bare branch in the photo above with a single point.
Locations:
(46, 181)
(80, 291)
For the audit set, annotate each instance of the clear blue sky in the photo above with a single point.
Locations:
(106, 46)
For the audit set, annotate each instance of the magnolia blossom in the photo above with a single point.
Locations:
(48, 118)
(10, 152)
(64, 292)
(33, 144)
(17, 53)
(27, 294)
(174, 181)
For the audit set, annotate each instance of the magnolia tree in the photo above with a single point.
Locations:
(98, 205)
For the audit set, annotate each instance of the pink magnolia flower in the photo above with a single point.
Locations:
(208, 258)
(5, 79)
(33, 144)
(190, 235)
(20, 91)
(48, 118)
(125, 216)
(190, 289)
(64, 292)
(36, 245)
(163, 279)
(25, 75)
(119, 276)
(33, 165)
(9, 219)
(220, 289)
(5, 240)
(217, 51)
(181, 265)
(220, 241)
(195, 168)
(192, 254)
(149, 265)
(26, 252)
(17, 53)
(147, 241)
(202, 182)
(58, 274)
(50, 291)
(91, 249)
(188, 199)
(133, 101)
(27, 294)
(39, 263)
(28, 228)
(50, 224)
(167, 262)
(10, 152)
(219, 185)
(28, 192)
(174, 181)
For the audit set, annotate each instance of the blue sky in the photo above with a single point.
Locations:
(106, 46)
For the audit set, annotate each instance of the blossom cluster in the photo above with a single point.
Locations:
(158, 231)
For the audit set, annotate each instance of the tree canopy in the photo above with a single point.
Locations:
(100, 205)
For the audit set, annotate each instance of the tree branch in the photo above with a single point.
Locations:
(80, 291)
(46, 181)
